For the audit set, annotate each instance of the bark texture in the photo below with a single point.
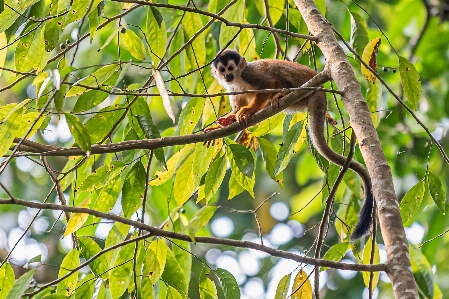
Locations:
(398, 262)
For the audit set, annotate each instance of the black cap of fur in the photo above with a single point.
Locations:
(225, 56)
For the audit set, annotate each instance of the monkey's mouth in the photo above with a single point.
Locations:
(229, 77)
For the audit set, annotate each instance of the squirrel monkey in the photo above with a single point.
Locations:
(235, 74)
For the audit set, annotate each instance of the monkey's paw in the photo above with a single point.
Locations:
(276, 100)
(227, 120)
(243, 114)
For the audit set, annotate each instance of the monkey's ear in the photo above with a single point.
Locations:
(242, 63)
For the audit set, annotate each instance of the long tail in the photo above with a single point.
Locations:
(317, 111)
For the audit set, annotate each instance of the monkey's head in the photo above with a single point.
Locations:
(228, 65)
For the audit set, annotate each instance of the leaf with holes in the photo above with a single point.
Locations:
(301, 288)
(369, 56)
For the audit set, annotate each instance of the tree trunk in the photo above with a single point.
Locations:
(398, 263)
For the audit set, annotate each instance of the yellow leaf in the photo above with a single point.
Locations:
(78, 219)
(366, 260)
(301, 289)
(369, 56)
(4, 49)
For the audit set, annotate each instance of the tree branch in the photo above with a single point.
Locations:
(154, 231)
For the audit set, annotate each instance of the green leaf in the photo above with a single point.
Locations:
(242, 158)
(366, 260)
(268, 125)
(359, 33)
(79, 132)
(282, 288)
(199, 220)
(192, 23)
(234, 14)
(269, 154)
(172, 165)
(85, 287)
(410, 81)
(411, 201)
(155, 259)
(184, 185)
(122, 272)
(94, 80)
(9, 126)
(94, 21)
(70, 262)
(156, 35)
(133, 189)
(207, 288)
(173, 293)
(134, 44)
(234, 187)
(422, 271)
(320, 160)
(228, 283)
(336, 253)
(77, 11)
(9, 16)
(89, 248)
(182, 252)
(6, 280)
(436, 191)
(92, 98)
(142, 113)
(116, 235)
(246, 182)
(21, 285)
(214, 178)
(190, 115)
(108, 195)
(173, 274)
(373, 99)
(100, 124)
(289, 139)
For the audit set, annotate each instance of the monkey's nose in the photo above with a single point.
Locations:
(229, 77)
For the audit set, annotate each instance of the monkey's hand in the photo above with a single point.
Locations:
(276, 100)
(244, 112)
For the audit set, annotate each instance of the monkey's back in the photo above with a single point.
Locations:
(286, 74)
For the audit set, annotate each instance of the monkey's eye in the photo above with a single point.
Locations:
(231, 68)
(222, 69)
